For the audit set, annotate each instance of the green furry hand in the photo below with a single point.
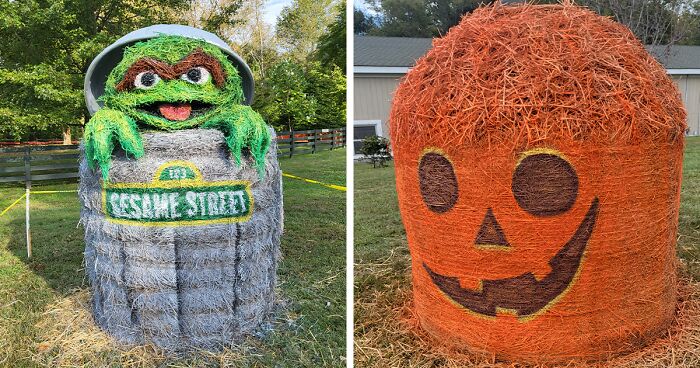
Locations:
(243, 127)
(102, 130)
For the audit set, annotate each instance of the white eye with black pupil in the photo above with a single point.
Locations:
(146, 80)
(198, 75)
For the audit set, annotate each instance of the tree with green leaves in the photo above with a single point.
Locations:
(282, 100)
(300, 25)
(256, 39)
(328, 89)
(296, 97)
(363, 23)
(216, 16)
(654, 22)
(331, 45)
(420, 18)
(45, 49)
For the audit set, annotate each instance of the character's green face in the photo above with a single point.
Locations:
(173, 82)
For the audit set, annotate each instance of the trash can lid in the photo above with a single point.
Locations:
(105, 61)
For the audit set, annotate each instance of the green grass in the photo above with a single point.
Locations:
(311, 275)
(689, 218)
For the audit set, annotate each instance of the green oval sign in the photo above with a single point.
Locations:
(178, 196)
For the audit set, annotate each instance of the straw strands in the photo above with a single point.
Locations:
(538, 154)
(525, 74)
(178, 287)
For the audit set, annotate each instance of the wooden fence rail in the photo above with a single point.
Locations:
(32, 163)
(39, 163)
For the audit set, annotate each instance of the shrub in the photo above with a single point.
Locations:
(376, 150)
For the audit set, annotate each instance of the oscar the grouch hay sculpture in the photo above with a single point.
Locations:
(538, 160)
(181, 192)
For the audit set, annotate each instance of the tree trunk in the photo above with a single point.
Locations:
(67, 136)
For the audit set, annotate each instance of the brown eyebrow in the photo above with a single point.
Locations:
(163, 70)
(201, 58)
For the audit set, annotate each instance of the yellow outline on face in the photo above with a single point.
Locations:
(529, 317)
(502, 311)
(439, 151)
(502, 248)
(513, 312)
(197, 182)
(544, 150)
(561, 295)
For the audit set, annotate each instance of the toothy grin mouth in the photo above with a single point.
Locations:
(523, 294)
(176, 111)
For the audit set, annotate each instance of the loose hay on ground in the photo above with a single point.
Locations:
(387, 334)
(70, 338)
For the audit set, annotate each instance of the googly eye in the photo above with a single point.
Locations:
(146, 80)
(198, 75)
(545, 185)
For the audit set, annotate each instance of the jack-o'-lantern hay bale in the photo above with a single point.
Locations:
(538, 157)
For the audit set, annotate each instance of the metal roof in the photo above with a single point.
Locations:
(403, 52)
(677, 57)
(389, 51)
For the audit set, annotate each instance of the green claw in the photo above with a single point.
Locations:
(102, 130)
(243, 127)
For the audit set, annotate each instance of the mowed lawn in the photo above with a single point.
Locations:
(310, 326)
(382, 268)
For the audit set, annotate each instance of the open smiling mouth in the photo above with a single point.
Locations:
(176, 111)
(524, 294)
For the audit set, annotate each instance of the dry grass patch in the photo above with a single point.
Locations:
(388, 335)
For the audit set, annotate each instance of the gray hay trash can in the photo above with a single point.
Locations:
(182, 245)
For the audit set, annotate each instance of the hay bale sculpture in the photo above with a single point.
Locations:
(538, 160)
(182, 219)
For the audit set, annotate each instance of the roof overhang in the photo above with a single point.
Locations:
(405, 69)
(683, 71)
(381, 69)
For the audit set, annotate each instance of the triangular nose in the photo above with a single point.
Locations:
(490, 232)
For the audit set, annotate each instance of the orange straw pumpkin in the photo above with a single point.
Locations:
(538, 164)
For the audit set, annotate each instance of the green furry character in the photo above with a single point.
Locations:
(168, 83)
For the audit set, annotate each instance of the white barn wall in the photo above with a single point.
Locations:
(373, 94)
(689, 86)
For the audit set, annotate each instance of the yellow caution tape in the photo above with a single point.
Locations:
(54, 191)
(37, 192)
(332, 186)
(12, 205)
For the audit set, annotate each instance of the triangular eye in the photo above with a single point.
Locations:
(545, 184)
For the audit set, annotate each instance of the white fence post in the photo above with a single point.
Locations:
(29, 234)
(28, 185)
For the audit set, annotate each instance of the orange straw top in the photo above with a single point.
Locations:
(524, 74)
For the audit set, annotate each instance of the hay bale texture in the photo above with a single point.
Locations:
(538, 154)
(181, 286)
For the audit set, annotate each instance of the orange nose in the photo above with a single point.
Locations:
(490, 232)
